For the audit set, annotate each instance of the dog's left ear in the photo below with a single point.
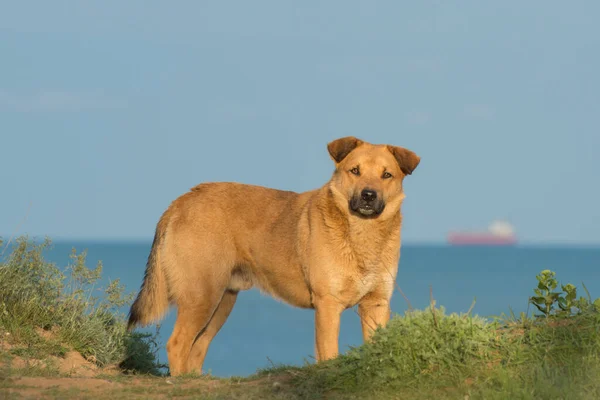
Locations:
(340, 148)
(407, 160)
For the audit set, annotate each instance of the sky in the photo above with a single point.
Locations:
(109, 110)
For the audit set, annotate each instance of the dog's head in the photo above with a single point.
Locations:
(368, 178)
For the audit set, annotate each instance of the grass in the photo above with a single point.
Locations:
(47, 311)
(464, 355)
(429, 354)
(422, 354)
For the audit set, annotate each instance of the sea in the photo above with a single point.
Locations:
(262, 332)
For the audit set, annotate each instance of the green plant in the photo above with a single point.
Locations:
(141, 353)
(546, 297)
(45, 308)
(553, 303)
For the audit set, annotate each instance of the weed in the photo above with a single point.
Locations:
(46, 310)
(563, 303)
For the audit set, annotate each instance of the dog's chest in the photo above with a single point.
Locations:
(354, 261)
(361, 274)
(370, 266)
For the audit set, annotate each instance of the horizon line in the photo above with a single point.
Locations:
(443, 243)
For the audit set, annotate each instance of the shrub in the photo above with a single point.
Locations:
(37, 296)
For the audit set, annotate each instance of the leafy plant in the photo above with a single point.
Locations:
(546, 298)
(552, 303)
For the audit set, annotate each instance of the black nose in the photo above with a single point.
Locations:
(368, 195)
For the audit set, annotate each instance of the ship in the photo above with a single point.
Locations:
(499, 233)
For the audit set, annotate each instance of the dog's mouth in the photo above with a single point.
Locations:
(366, 209)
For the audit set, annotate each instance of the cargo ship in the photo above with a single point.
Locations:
(499, 233)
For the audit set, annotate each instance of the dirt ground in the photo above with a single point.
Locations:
(25, 387)
(74, 377)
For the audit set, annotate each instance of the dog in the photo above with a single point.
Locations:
(327, 249)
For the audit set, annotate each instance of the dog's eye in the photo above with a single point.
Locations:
(355, 171)
(386, 175)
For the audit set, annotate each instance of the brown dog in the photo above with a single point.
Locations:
(327, 249)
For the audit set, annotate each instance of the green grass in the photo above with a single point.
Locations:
(457, 355)
(429, 354)
(46, 311)
(422, 354)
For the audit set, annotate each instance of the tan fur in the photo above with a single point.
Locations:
(308, 249)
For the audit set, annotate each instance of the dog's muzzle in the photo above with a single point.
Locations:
(367, 204)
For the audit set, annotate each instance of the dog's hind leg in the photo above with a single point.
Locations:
(198, 297)
(192, 317)
(200, 347)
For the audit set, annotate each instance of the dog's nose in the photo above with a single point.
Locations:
(368, 195)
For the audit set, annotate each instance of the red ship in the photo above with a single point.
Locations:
(500, 233)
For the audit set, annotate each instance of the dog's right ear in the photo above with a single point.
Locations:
(340, 148)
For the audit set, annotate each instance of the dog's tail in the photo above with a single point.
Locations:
(152, 302)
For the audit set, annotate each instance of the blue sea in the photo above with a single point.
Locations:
(261, 331)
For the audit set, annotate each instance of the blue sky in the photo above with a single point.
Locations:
(111, 109)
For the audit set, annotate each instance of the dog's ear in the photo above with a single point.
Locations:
(340, 148)
(407, 160)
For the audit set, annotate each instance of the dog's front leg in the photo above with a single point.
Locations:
(374, 311)
(327, 328)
